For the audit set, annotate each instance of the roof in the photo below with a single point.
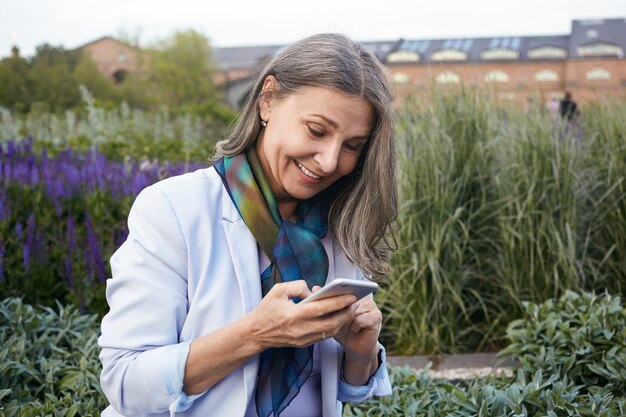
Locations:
(589, 32)
(585, 33)
(244, 57)
(103, 38)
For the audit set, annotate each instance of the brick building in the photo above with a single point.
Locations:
(589, 62)
(113, 58)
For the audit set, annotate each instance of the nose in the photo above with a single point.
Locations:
(327, 157)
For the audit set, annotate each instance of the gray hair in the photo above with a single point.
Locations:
(365, 206)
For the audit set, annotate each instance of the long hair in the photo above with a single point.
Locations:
(365, 204)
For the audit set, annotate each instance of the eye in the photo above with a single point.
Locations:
(315, 132)
(353, 147)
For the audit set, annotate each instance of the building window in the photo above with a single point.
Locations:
(496, 76)
(403, 56)
(546, 76)
(598, 74)
(547, 52)
(119, 76)
(401, 78)
(447, 77)
(499, 53)
(600, 49)
(449, 55)
(121, 57)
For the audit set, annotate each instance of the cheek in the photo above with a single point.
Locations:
(348, 163)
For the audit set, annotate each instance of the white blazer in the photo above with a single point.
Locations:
(189, 267)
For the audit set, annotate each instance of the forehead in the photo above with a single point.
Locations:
(343, 111)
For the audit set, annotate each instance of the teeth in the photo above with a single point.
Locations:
(306, 171)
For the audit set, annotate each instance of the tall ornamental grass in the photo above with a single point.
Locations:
(500, 205)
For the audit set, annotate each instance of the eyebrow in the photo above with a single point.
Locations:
(336, 125)
(327, 120)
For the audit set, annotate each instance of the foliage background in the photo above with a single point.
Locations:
(500, 205)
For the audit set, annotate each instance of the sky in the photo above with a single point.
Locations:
(72, 23)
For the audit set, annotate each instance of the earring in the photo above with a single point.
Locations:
(263, 123)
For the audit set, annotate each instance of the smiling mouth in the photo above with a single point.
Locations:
(306, 171)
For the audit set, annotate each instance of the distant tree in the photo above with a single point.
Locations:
(86, 73)
(55, 87)
(181, 69)
(16, 84)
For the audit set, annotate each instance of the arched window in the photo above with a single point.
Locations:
(499, 53)
(496, 76)
(600, 49)
(449, 55)
(544, 52)
(598, 74)
(546, 75)
(447, 77)
(403, 56)
(401, 78)
(121, 57)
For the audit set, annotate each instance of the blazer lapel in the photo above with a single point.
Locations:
(244, 254)
(329, 353)
(244, 257)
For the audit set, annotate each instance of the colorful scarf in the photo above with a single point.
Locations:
(295, 251)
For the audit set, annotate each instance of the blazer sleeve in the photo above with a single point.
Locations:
(142, 358)
(378, 384)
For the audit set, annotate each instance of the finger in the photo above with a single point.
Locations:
(328, 305)
(292, 289)
(369, 321)
(366, 304)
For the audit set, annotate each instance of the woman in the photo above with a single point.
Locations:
(203, 314)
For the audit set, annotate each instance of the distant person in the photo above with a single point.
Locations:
(204, 318)
(568, 108)
(570, 115)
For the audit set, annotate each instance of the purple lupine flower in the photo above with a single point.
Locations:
(10, 149)
(3, 209)
(94, 251)
(2, 252)
(18, 231)
(43, 164)
(29, 245)
(71, 248)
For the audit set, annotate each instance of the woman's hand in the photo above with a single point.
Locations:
(278, 321)
(359, 340)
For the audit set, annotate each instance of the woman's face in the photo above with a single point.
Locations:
(313, 137)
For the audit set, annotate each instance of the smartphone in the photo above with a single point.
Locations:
(340, 286)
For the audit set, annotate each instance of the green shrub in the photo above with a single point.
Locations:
(578, 337)
(419, 395)
(48, 362)
(49, 366)
(572, 362)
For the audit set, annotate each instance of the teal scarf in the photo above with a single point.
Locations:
(295, 251)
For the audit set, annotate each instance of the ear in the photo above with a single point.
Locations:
(265, 103)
